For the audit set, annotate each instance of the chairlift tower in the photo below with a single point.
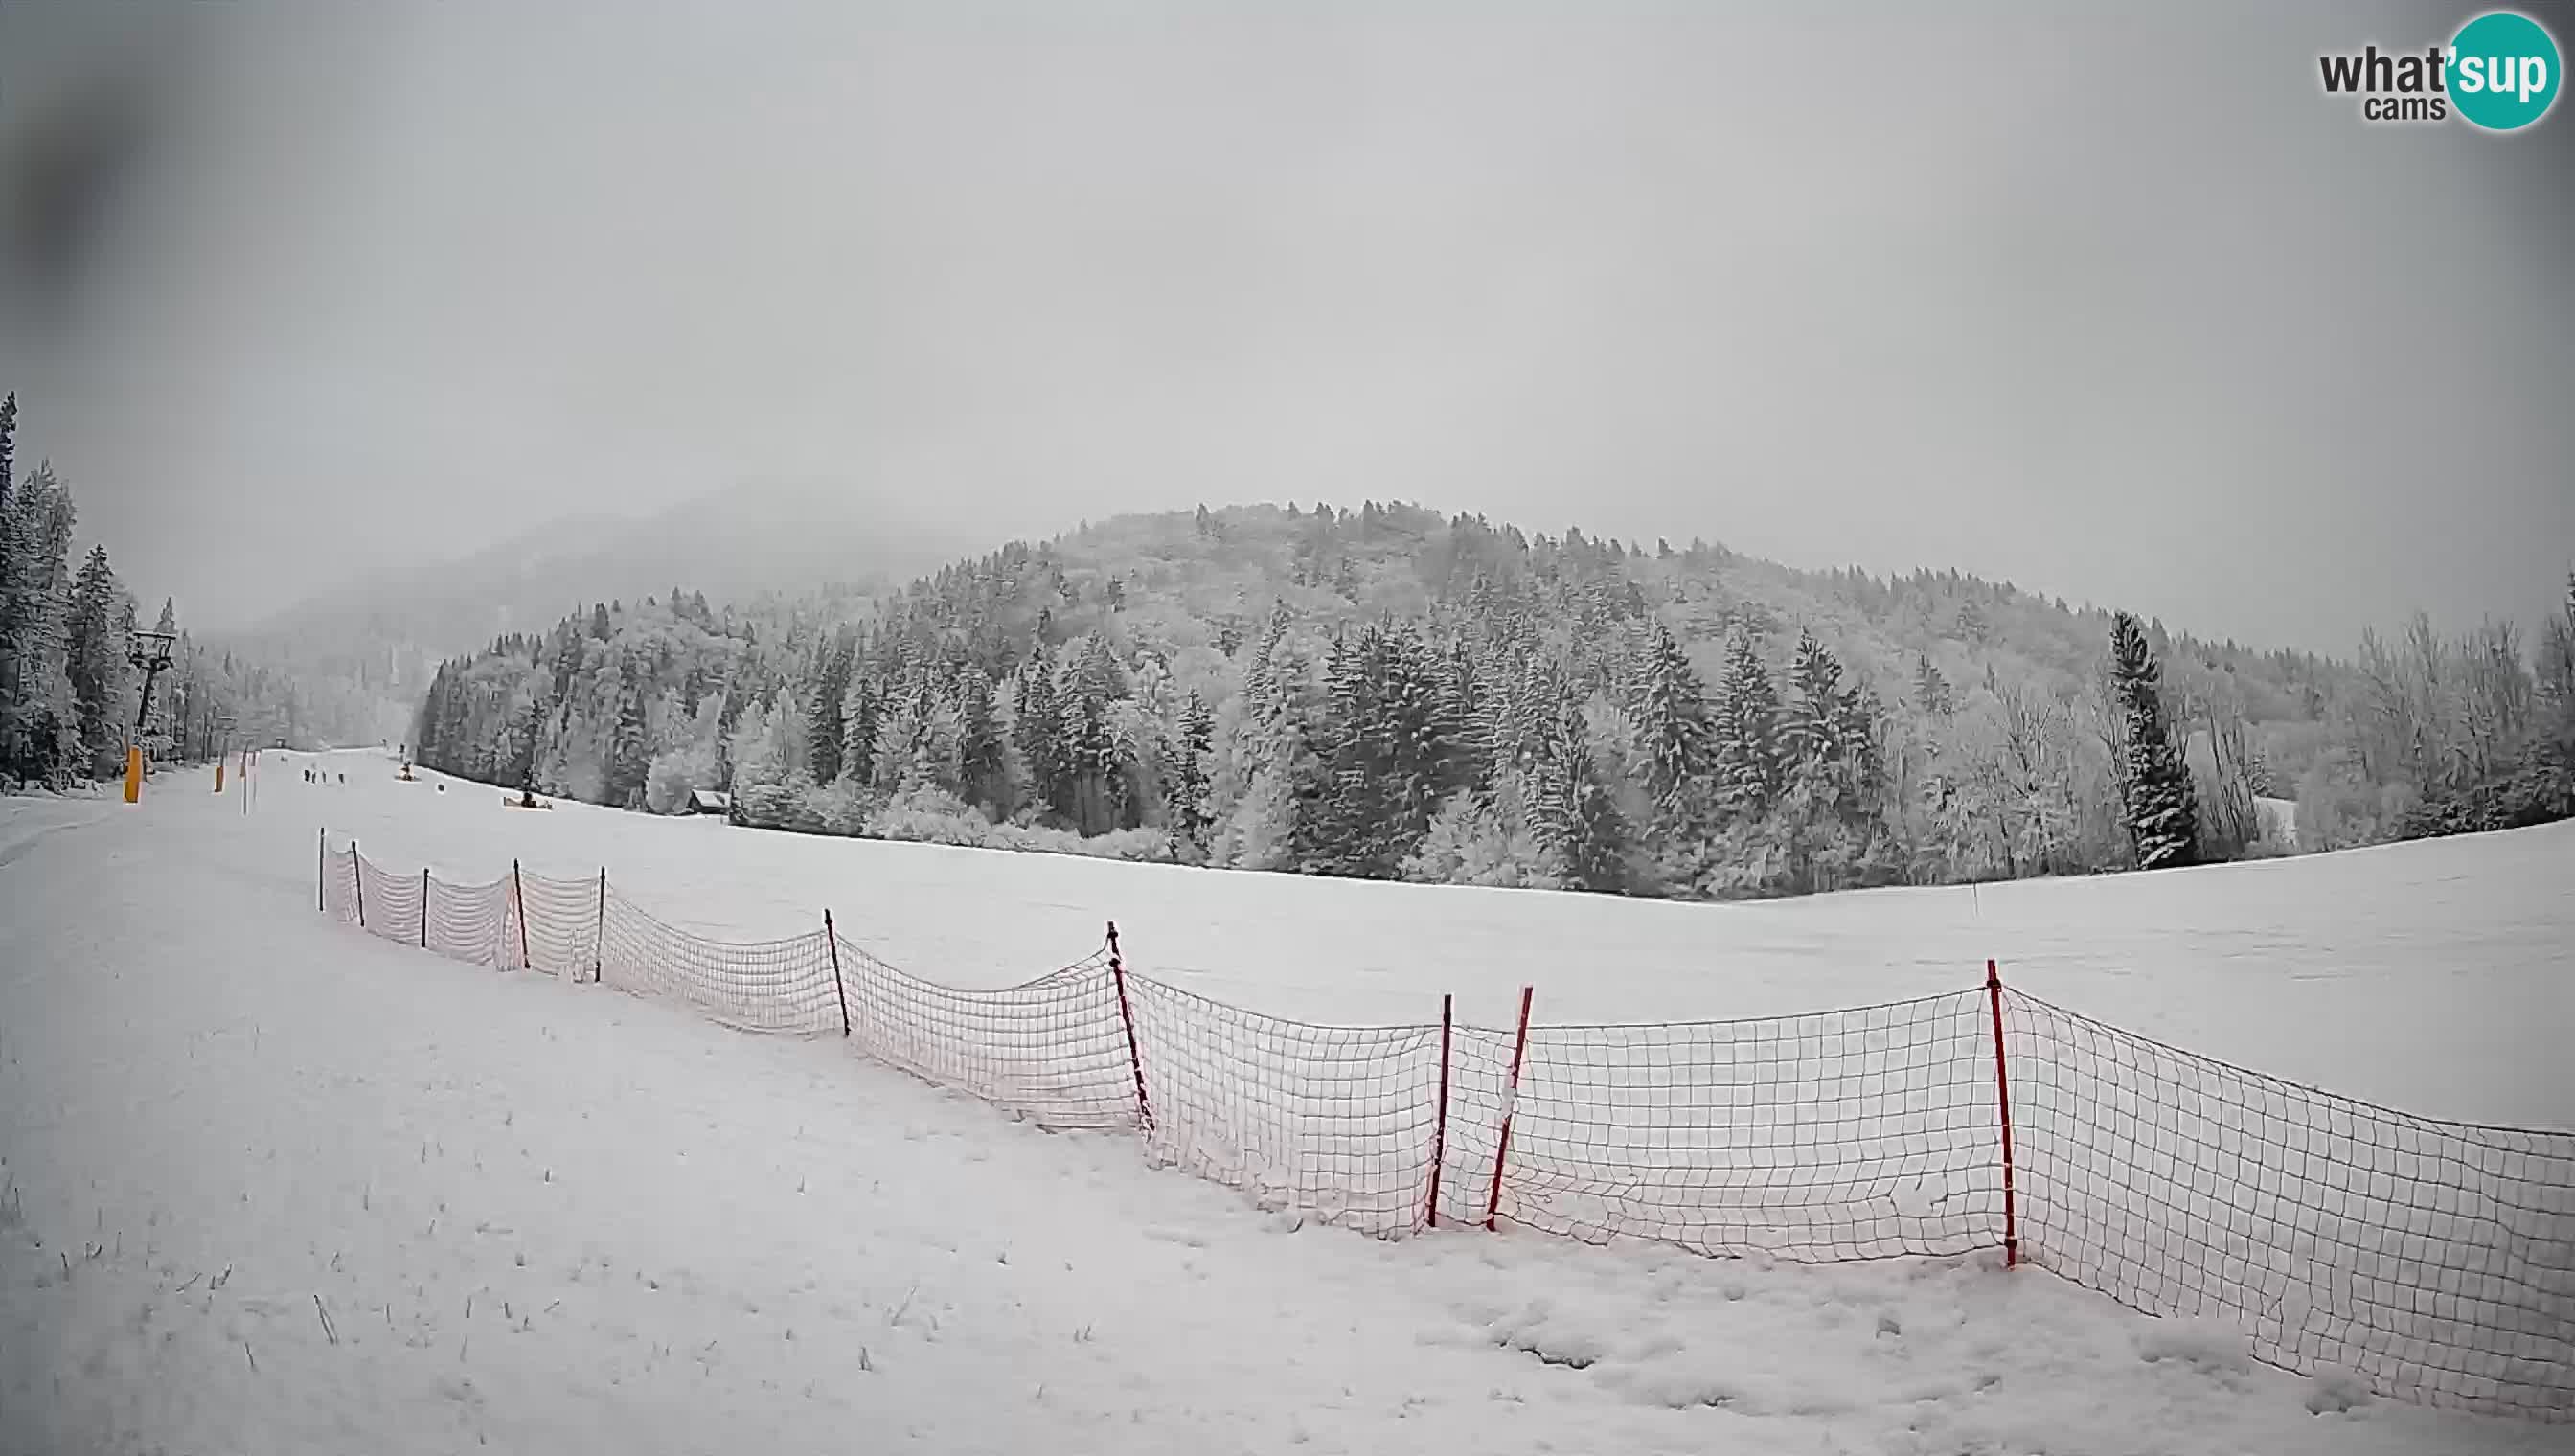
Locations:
(149, 651)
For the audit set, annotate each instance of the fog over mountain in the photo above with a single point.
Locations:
(733, 545)
(298, 295)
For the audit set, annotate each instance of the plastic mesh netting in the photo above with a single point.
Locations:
(766, 985)
(554, 926)
(1333, 1120)
(1849, 1134)
(1052, 1049)
(2436, 1261)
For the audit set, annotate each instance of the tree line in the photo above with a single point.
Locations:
(71, 691)
(1388, 694)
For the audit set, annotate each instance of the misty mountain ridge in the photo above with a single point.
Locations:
(1391, 693)
(737, 545)
(382, 633)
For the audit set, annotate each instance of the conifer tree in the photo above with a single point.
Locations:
(2162, 810)
(1095, 763)
(630, 760)
(1573, 815)
(1931, 691)
(1192, 752)
(97, 664)
(1388, 753)
(1469, 706)
(831, 688)
(1825, 737)
(1677, 737)
(982, 758)
(1039, 733)
(861, 713)
(525, 742)
(1811, 724)
(1748, 744)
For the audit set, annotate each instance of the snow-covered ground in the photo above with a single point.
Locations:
(267, 1184)
(2428, 976)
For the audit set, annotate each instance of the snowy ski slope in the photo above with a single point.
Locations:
(2432, 978)
(341, 1196)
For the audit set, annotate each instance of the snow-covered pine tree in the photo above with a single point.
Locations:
(527, 739)
(1677, 739)
(830, 691)
(1470, 712)
(1817, 788)
(1279, 767)
(1193, 754)
(22, 514)
(1878, 855)
(1574, 815)
(569, 653)
(1389, 753)
(1811, 721)
(1037, 733)
(1101, 790)
(862, 716)
(982, 758)
(97, 664)
(1931, 691)
(2162, 807)
(1424, 743)
(630, 755)
(1332, 823)
(1747, 733)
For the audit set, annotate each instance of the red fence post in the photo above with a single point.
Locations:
(832, 937)
(357, 871)
(424, 907)
(599, 933)
(1127, 1016)
(2002, 1099)
(1440, 1119)
(1510, 1099)
(518, 897)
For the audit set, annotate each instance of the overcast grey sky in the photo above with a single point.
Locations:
(2119, 309)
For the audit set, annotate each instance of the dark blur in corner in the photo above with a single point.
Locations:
(88, 95)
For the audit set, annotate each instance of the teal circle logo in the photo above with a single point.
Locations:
(2504, 71)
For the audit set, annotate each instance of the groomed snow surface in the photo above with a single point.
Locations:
(268, 1186)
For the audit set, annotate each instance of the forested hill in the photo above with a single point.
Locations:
(1386, 691)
